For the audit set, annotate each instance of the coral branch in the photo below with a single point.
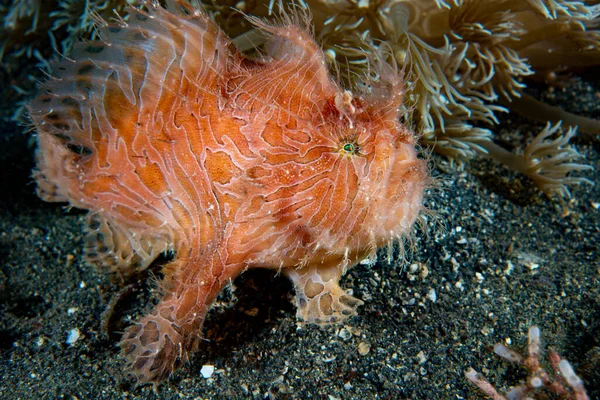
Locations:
(565, 383)
(486, 387)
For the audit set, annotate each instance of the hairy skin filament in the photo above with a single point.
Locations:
(176, 142)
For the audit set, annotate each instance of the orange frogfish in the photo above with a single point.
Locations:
(178, 143)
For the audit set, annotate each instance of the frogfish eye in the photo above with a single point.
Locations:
(350, 148)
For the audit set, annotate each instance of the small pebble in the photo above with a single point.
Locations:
(344, 334)
(73, 337)
(479, 277)
(364, 348)
(207, 371)
(253, 312)
(421, 357)
(431, 295)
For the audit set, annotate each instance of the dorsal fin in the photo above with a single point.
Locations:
(294, 66)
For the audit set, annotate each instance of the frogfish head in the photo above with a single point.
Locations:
(368, 181)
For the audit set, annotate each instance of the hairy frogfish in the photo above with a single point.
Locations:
(177, 142)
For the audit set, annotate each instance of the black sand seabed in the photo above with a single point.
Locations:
(506, 258)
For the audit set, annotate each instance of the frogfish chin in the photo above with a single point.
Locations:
(177, 142)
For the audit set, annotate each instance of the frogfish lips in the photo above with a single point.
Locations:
(404, 186)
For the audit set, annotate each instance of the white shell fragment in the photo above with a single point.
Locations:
(207, 371)
(73, 337)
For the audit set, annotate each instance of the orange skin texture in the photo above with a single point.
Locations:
(175, 142)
